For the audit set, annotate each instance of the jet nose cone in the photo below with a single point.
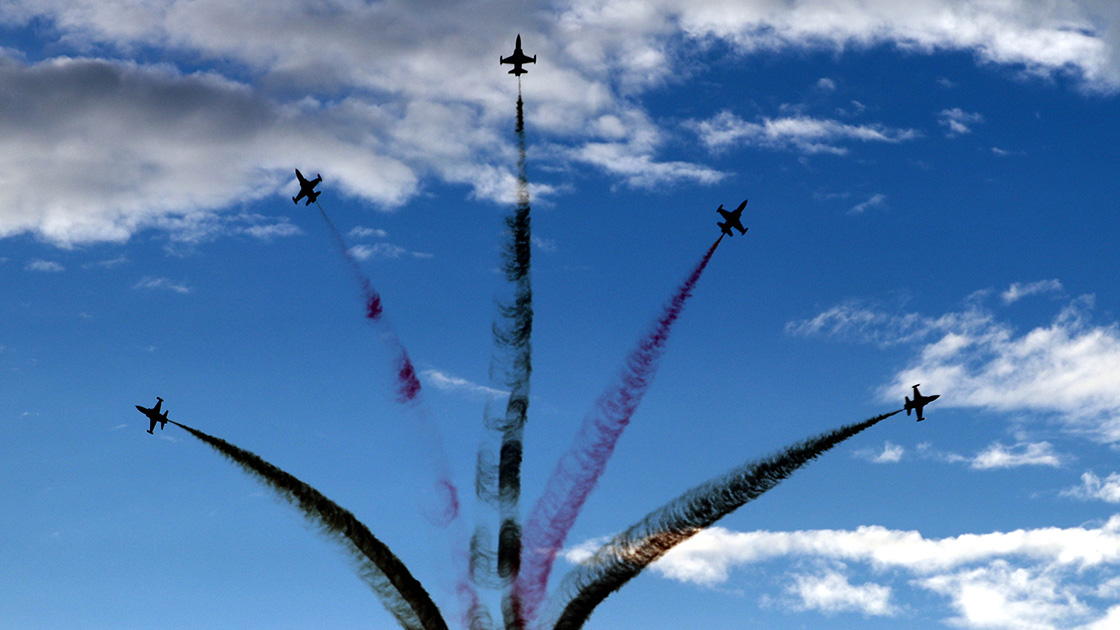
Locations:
(934, 397)
(139, 408)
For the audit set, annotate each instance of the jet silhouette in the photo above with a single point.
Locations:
(517, 59)
(154, 416)
(732, 219)
(919, 402)
(307, 188)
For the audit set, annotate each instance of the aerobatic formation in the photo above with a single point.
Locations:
(521, 562)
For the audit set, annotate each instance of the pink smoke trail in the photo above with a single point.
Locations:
(406, 384)
(580, 468)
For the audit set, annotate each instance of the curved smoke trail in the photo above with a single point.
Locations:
(628, 553)
(580, 468)
(400, 593)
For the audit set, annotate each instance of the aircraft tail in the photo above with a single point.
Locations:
(311, 197)
(908, 406)
(726, 230)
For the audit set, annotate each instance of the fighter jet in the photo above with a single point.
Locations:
(732, 219)
(517, 59)
(154, 416)
(919, 402)
(307, 188)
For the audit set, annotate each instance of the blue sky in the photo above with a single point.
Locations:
(932, 199)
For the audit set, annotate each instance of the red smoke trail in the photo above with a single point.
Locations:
(373, 298)
(407, 385)
(580, 468)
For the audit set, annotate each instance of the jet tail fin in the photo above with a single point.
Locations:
(909, 405)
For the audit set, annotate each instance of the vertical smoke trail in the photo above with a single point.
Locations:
(498, 478)
(516, 336)
(400, 593)
(580, 468)
(628, 553)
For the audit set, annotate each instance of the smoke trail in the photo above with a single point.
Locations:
(400, 593)
(372, 297)
(628, 553)
(512, 340)
(580, 468)
(406, 384)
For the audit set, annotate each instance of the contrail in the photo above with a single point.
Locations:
(579, 469)
(628, 553)
(400, 593)
(407, 384)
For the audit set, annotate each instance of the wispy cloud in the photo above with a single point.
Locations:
(1093, 487)
(798, 133)
(359, 231)
(544, 244)
(1019, 290)
(108, 264)
(273, 230)
(151, 282)
(384, 250)
(831, 592)
(46, 266)
(878, 200)
(958, 121)
(1024, 454)
(450, 383)
(1068, 369)
(891, 454)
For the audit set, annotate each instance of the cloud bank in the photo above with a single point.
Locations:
(384, 97)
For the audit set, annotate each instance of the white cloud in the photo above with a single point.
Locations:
(417, 103)
(831, 593)
(1068, 369)
(1026, 454)
(1017, 580)
(384, 250)
(892, 453)
(274, 230)
(1019, 290)
(798, 133)
(109, 263)
(46, 266)
(150, 282)
(449, 383)
(544, 244)
(854, 322)
(1001, 597)
(826, 84)
(1093, 487)
(878, 200)
(363, 232)
(958, 121)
